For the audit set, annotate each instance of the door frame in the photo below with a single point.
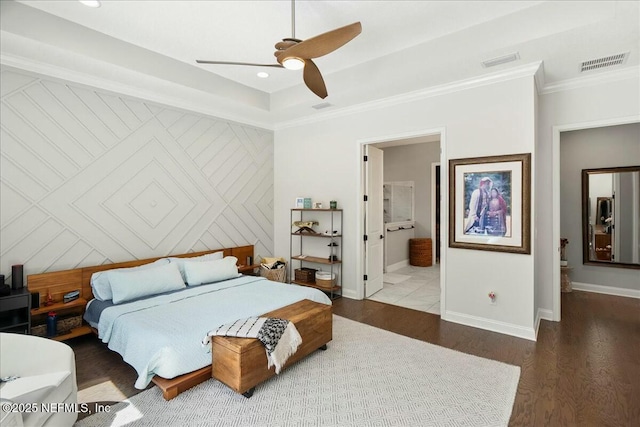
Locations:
(361, 209)
(555, 194)
(434, 166)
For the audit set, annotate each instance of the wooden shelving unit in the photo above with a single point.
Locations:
(316, 260)
(80, 302)
(76, 306)
(313, 285)
(76, 332)
(328, 218)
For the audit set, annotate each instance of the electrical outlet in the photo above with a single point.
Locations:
(492, 298)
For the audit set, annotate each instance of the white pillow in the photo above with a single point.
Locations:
(199, 273)
(129, 285)
(206, 257)
(100, 283)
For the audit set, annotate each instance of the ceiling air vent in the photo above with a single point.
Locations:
(501, 60)
(607, 61)
(321, 106)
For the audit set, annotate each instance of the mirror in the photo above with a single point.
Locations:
(611, 217)
(398, 201)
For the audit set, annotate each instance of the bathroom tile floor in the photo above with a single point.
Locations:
(412, 287)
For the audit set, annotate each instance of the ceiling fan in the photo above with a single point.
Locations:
(294, 54)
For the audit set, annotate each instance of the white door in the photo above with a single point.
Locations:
(373, 246)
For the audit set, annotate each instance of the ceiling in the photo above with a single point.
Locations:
(405, 46)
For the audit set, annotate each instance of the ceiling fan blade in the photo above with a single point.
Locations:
(201, 61)
(286, 44)
(313, 79)
(325, 43)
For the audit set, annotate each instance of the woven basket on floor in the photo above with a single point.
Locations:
(420, 253)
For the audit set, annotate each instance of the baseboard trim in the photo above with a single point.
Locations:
(490, 325)
(397, 266)
(351, 294)
(608, 290)
(542, 314)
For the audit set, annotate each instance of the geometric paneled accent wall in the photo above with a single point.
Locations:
(90, 177)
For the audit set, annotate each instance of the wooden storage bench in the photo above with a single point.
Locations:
(241, 363)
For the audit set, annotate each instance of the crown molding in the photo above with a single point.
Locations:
(204, 106)
(215, 106)
(625, 73)
(460, 85)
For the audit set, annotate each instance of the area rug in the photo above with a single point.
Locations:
(394, 278)
(366, 377)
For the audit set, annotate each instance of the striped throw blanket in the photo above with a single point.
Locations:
(279, 337)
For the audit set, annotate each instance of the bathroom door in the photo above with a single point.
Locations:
(374, 223)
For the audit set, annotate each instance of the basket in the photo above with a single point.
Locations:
(305, 274)
(325, 279)
(420, 253)
(275, 275)
(63, 326)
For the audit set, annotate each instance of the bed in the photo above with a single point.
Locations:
(160, 335)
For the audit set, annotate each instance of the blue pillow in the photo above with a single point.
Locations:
(206, 257)
(198, 273)
(130, 285)
(101, 285)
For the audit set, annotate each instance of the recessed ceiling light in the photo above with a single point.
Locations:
(263, 75)
(90, 3)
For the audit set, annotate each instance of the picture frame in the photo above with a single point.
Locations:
(317, 205)
(490, 203)
(299, 202)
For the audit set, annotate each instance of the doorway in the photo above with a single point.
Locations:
(558, 210)
(408, 160)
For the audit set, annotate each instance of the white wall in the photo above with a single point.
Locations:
(592, 103)
(323, 159)
(609, 146)
(89, 177)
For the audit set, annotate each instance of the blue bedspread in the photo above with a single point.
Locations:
(162, 335)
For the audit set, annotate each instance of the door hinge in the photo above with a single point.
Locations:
(366, 158)
(366, 237)
(366, 198)
(366, 277)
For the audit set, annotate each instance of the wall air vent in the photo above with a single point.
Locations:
(501, 60)
(607, 61)
(321, 106)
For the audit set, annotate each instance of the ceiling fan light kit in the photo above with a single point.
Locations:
(90, 3)
(293, 63)
(295, 54)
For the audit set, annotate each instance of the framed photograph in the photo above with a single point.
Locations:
(299, 202)
(490, 203)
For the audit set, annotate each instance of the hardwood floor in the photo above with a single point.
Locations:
(583, 371)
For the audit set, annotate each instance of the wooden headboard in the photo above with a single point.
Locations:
(61, 282)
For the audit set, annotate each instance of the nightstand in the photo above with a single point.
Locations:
(249, 270)
(15, 312)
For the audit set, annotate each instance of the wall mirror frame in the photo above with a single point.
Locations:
(611, 217)
(399, 203)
